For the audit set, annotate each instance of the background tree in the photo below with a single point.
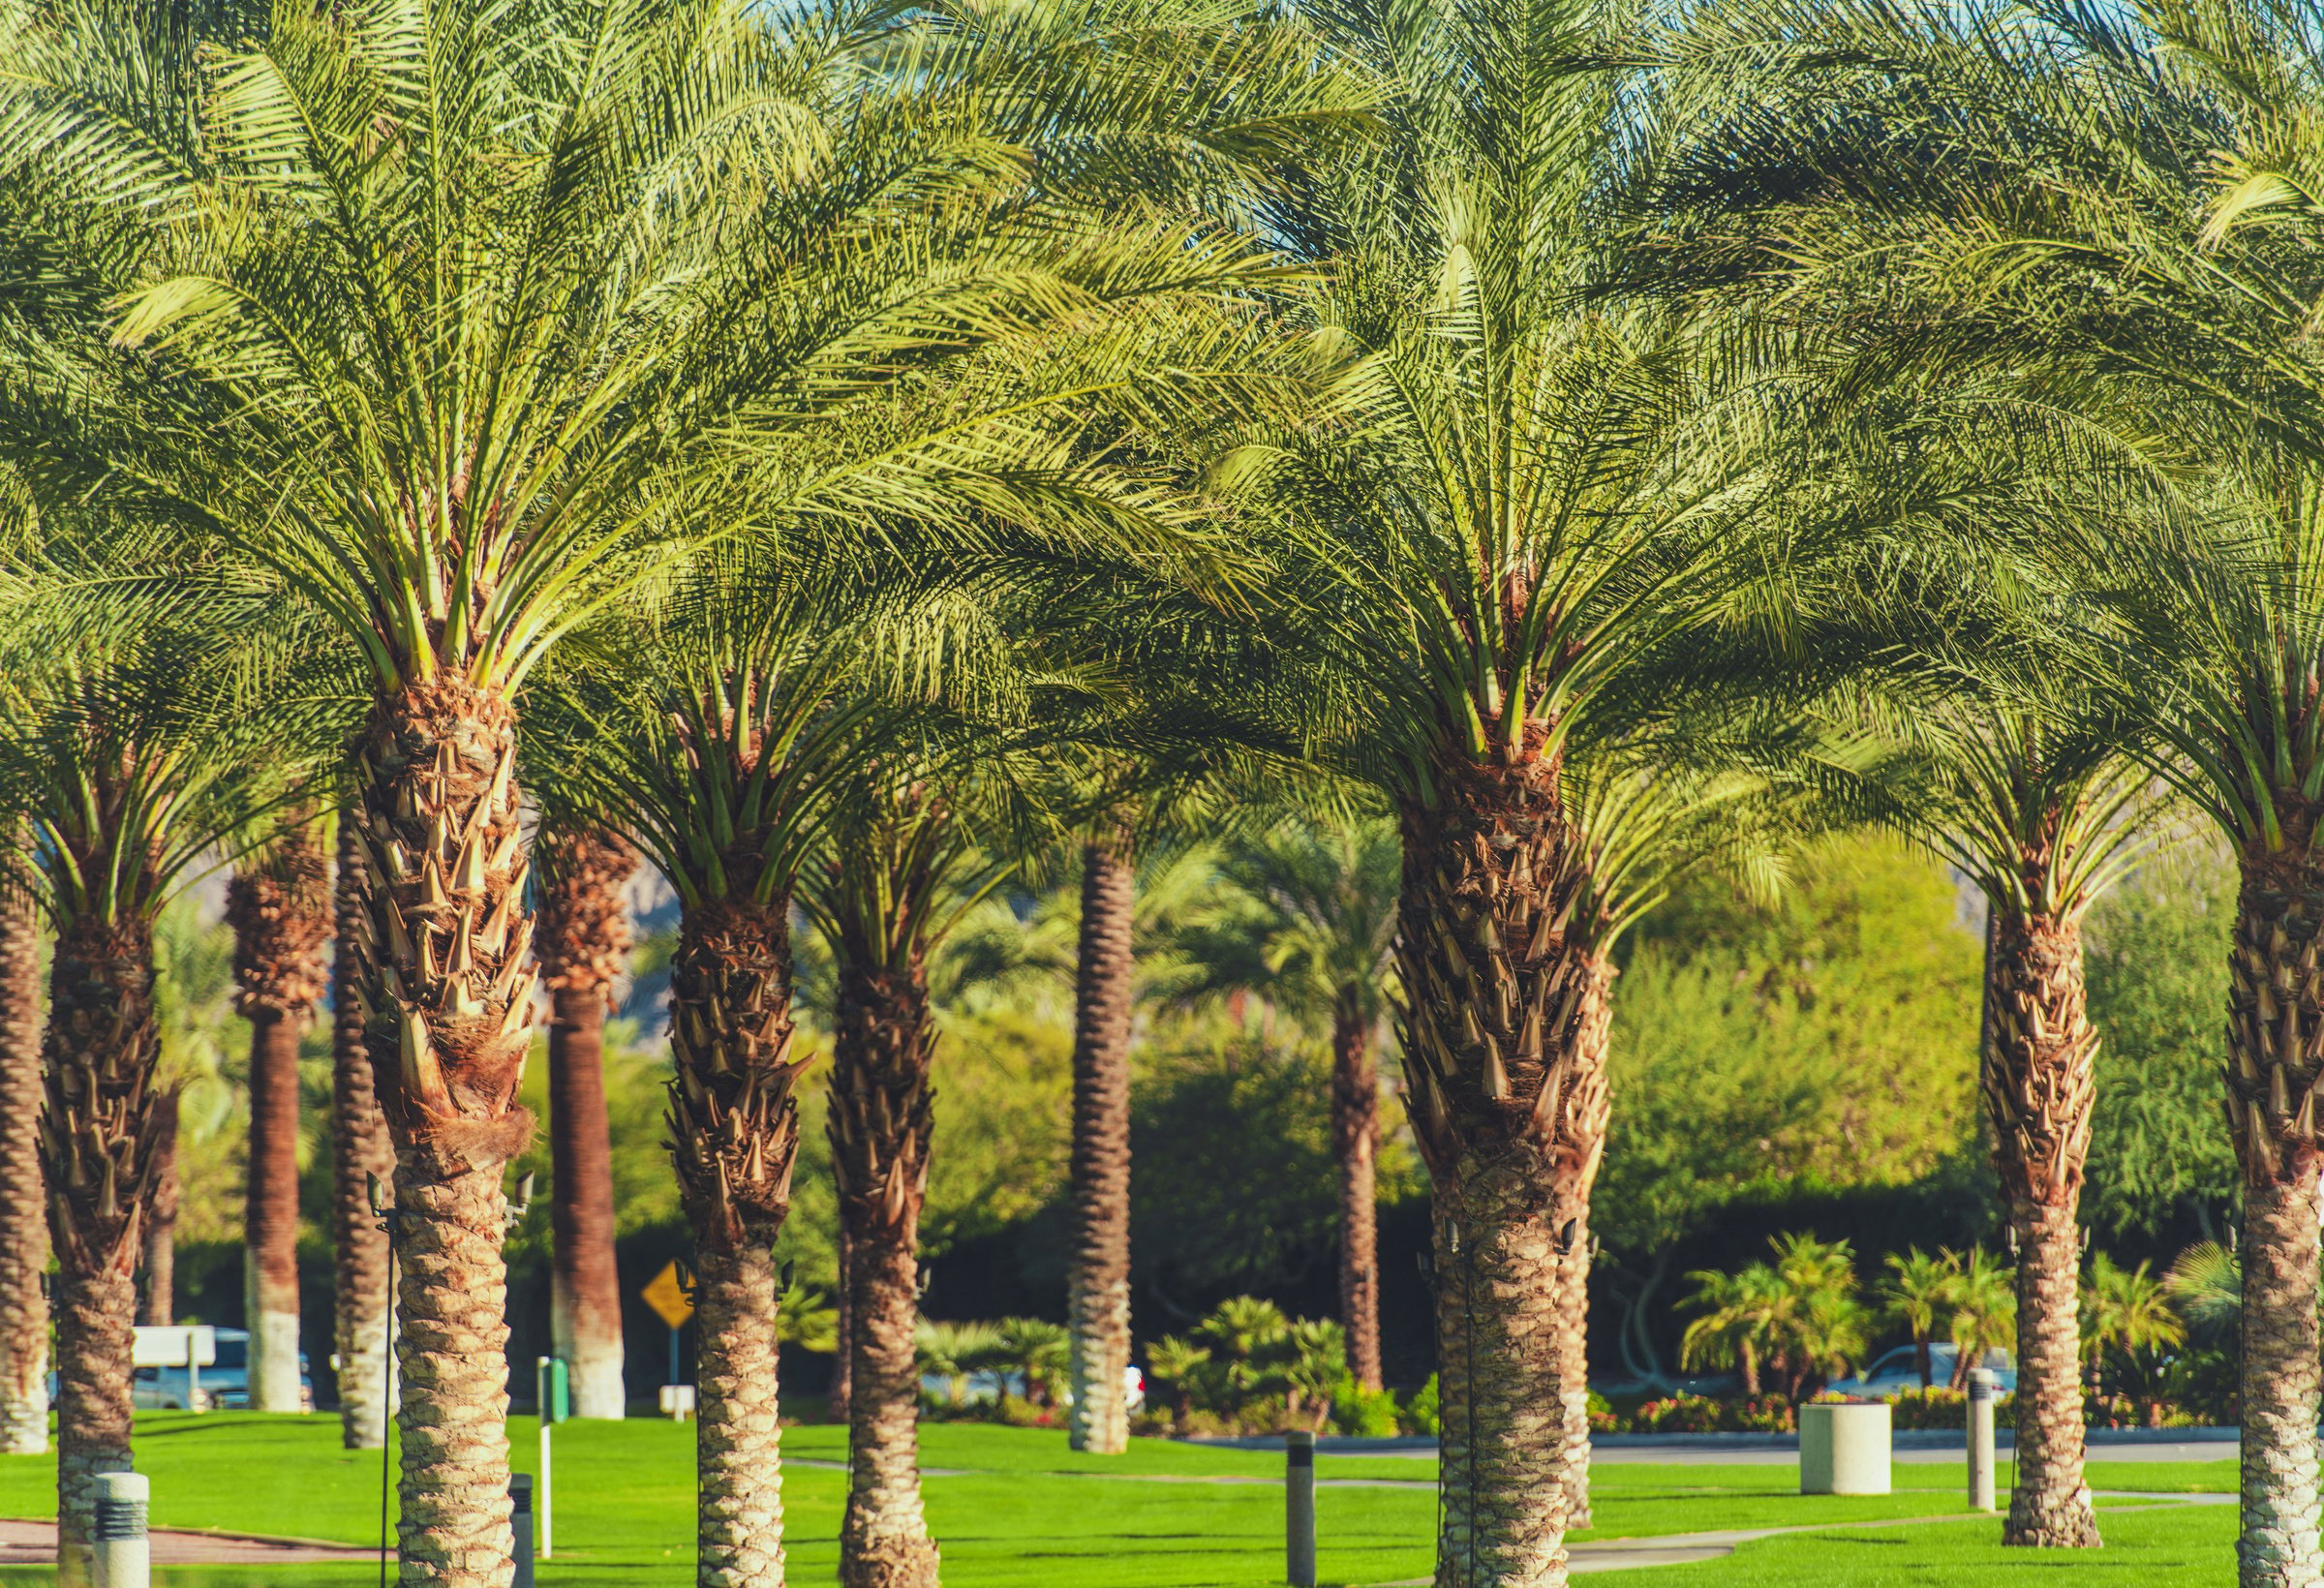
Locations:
(583, 942)
(278, 904)
(23, 1221)
(1920, 1290)
(362, 1159)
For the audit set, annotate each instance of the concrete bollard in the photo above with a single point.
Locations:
(1981, 1386)
(122, 1556)
(1845, 1447)
(1299, 1511)
(520, 1503)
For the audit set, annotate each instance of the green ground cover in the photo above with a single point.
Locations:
(1014, 1505)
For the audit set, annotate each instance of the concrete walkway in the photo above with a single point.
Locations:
(34, 1544)
(1688, 1548)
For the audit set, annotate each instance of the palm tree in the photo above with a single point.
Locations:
(2125, 1311)
(2040, 808)
(583, 942)
(1311, 922)
(2149, 271)
(1737, 1324)
(131, 755)
(1098, 1167)
(1984, 1313)
(279, 906)
(1919, 1291)
(362, 1162)
(604, 323)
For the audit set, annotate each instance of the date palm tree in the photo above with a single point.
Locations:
(1310, 922)
(278, 904)
(433, 310)
(583, 942)
(132, 754)
(23, 1220)
(2106, 210)
(362, 1158)
(1512, 536)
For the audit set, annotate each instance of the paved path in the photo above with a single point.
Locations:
(1687, 1548)
(34, 1544)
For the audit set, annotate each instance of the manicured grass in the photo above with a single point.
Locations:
(1015, 1506)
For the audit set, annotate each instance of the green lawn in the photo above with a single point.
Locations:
(1013, 1506)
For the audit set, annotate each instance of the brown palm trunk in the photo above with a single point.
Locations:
(360, 1153)
(1356, 1141)
(98, 1143)
(584, 946)
(1098, 1172)
(2276, 1019)
(880, 1130)
(448, 998)
(735, 1134)
(842, 1401)
(280, 910)
(157, 1304)
(1577, 1171)
(23, 1222)
(2039, 1079)
(1508, 1114)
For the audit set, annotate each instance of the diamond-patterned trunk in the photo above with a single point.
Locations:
(1098, 1169)
(880, 1131)
(2038, 1078)
(734, 1131)
(359, 1152)
(23, 1219)
(2276, 1066)
(1506, 1095)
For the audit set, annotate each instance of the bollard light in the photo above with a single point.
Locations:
(520, 1523)
(1981, 1386)
(122, 1556)
(1299, 1511)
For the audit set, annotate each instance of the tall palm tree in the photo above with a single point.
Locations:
(1311, 922)
(1515, 522)
(446, 396)
(278, 904)
(23, 1222)
(1098, 1164)
(2044, 815)
(583, 947)
(2149, 271)
(362, 1165)
(133, 755)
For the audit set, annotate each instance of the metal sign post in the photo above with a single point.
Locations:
(1299, 1509)
(669, 1295)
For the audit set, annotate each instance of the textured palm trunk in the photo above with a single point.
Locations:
(280, 911)
(1577, 1171)
(880, 1131)
(1507, 1092)
(842, 1401)
(157, 1261)
(734, 1140)
(360, 1155)
(1356, 1141)
(584, 946)
(2276, 1028)
(447, 1018)
(98, 1141)
(1098, 1300)
(23, 1219)
(2039, 1079)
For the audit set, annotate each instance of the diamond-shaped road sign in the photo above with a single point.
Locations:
(667, 1297)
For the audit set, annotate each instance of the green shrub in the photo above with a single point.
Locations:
(1421, 1411)
(1364, 1414)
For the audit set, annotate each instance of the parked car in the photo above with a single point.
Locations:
(1894, 1372)
(222, 1383)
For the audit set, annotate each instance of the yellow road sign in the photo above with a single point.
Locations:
(666, 1296)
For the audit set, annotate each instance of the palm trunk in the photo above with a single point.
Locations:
(23, 1223)
(880, 1130)
(2276, 1016)
(156, 1305)
(2039, 1080)
(97, 1154)
(360, 1151)
(1749, 1355)
(842, 1357)
(1577, 1171)
(1099, 1170)
(280, 910)
(738, 1435)
(736, 1139)
(1507, 1101)
(1356, 1141)
(583, 947)
(449, 1013)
